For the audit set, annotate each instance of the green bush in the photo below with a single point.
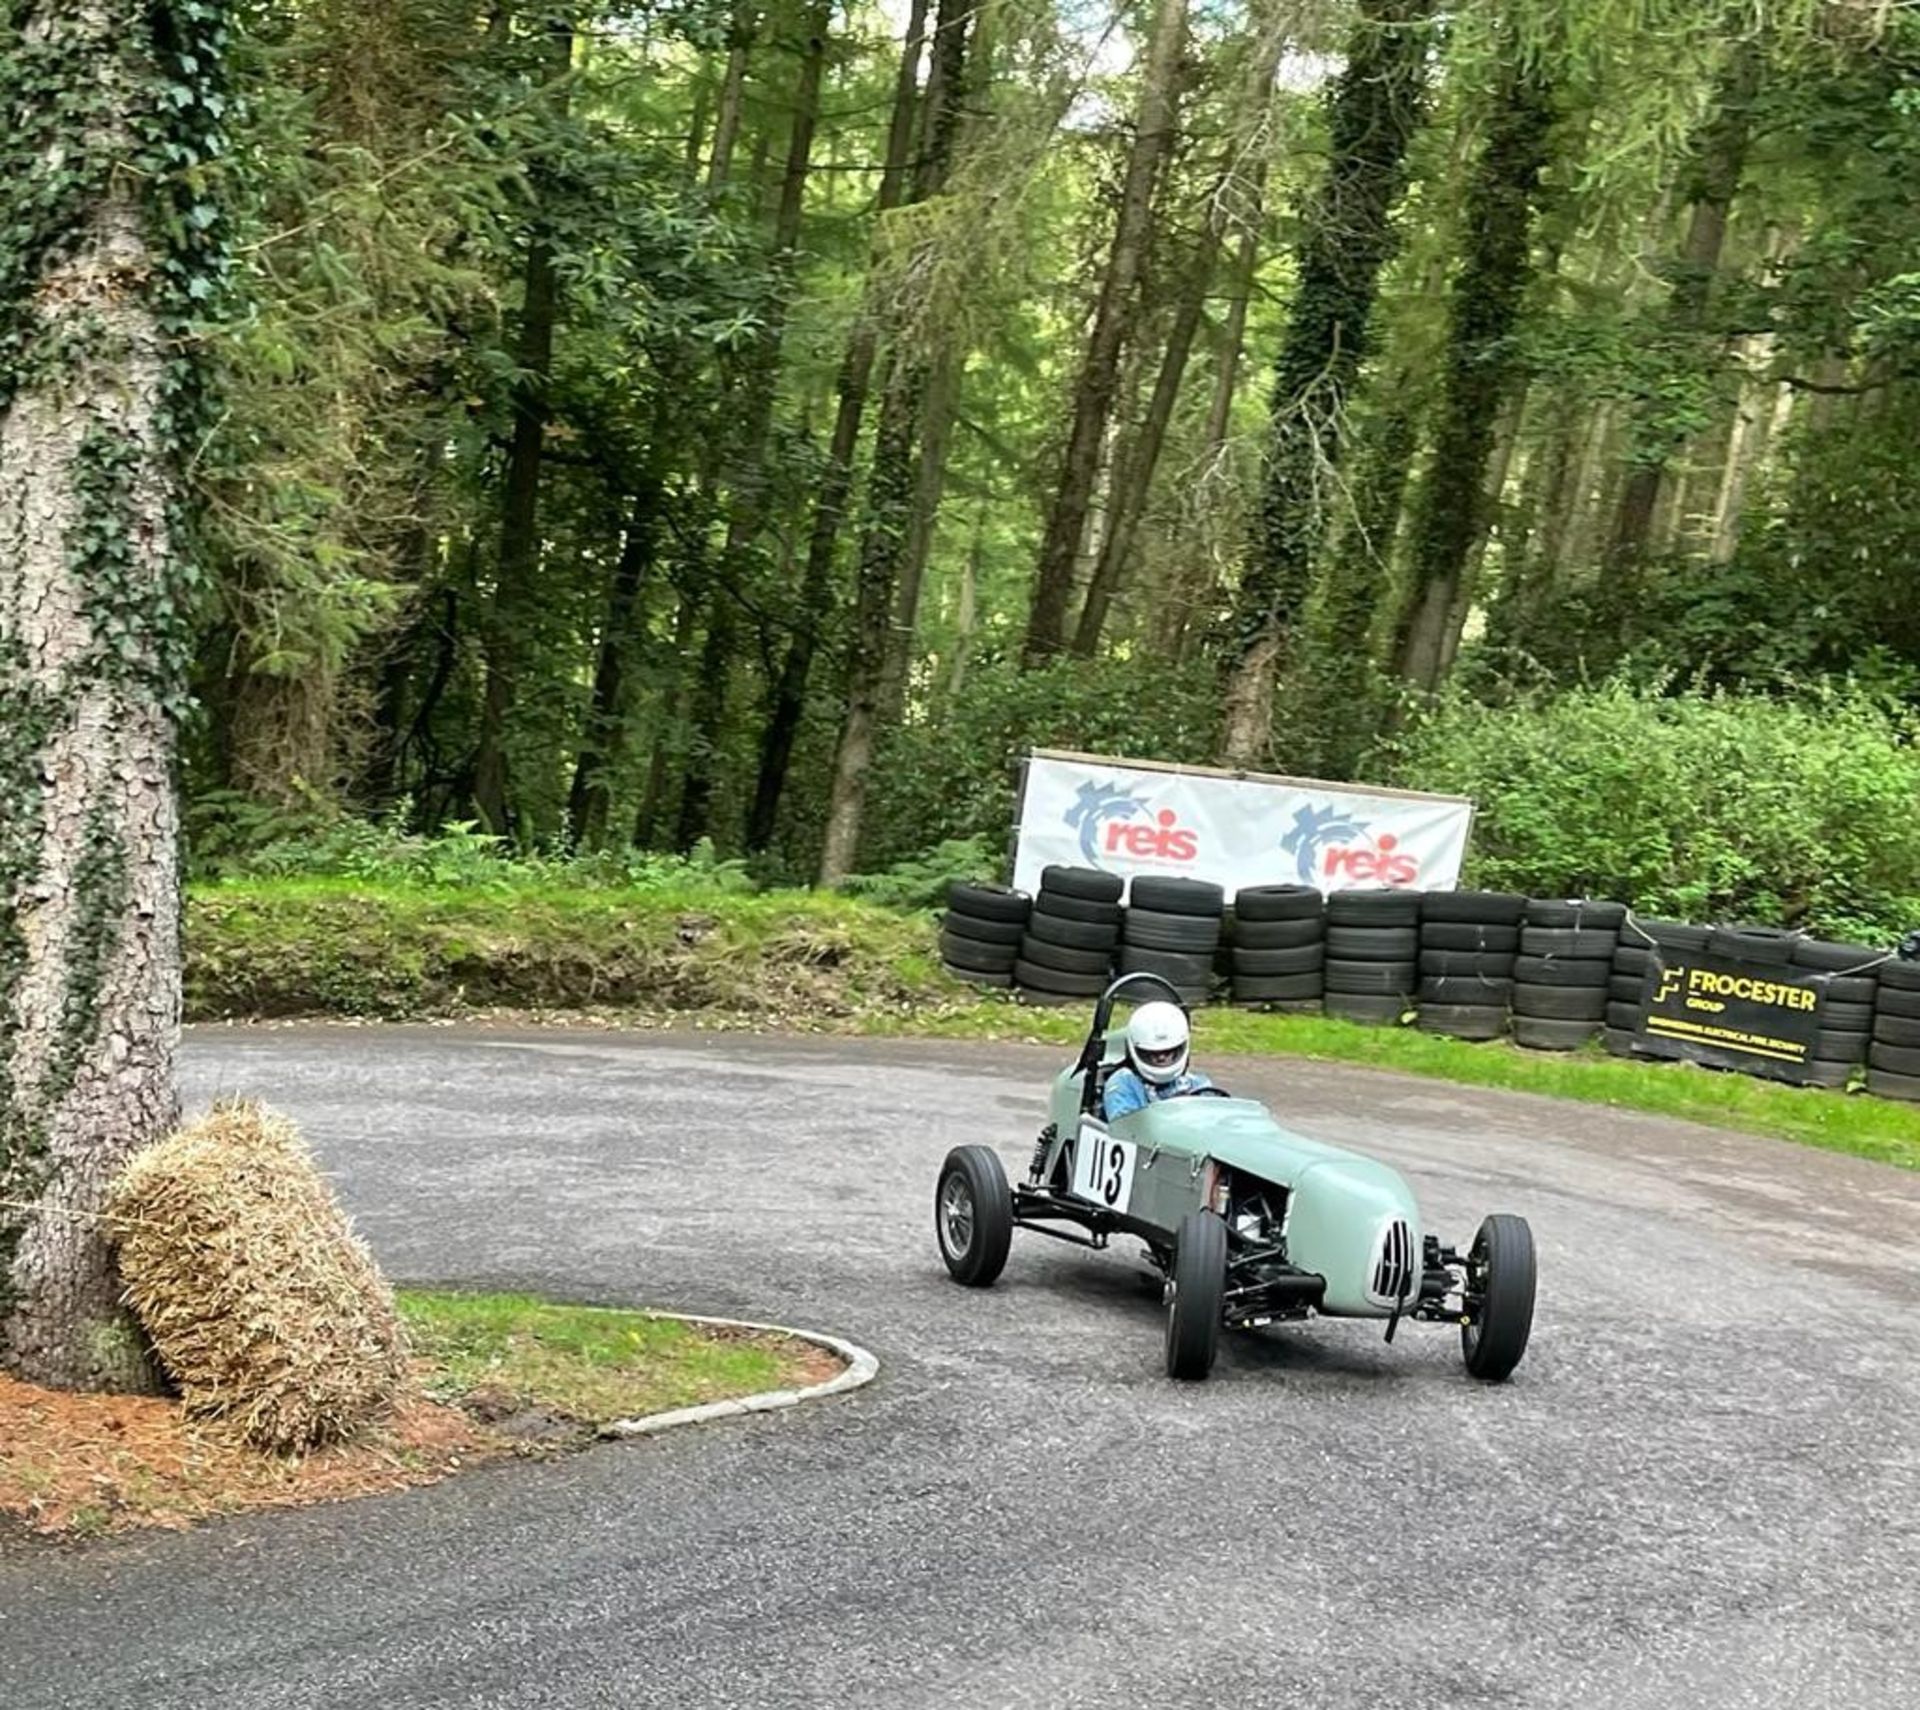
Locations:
(1802, 812)
(920, 881)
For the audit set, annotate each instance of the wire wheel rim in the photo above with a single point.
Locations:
(956, 1217)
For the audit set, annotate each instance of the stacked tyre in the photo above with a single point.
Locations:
(1848, 984)
(1635, 947)
(1279, 946)
(1893, 1060)
(1067, 949)
(981, 931)
(1373, 954)
(1562, 974)
(1172, 928)
(1468, 941)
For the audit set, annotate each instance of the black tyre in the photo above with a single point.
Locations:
(1575, 912)
(1196, 1295)
(975, 957)
(1465, 989)
(1501, 1280)
(1060, 959)
(1279, 902)
(1055, 982)
(978, 977)
(1482, 908)
(1071, 934)
(1629, 960)
(1299, 961)
(1470, 964)
(1828, 957)
(1623, 1017)
(1373, 943)
(973, 1215)
(1825, 1072)
(1087, 883)
(1886, 1084)
(1462, 1020)
(1895, 975)
(1668, 934)
(1466, 935)
(1373, 907)
(1765, 946)
(1189, 934)
(1587, 942)
(1888, 1029)
(1063, 907)
(988, 902)
(1593, 973)
(1841, 1047)
(1847, 1017)
(1177, 896)
(1625, 988)
(1559, 1003)
(1854, 988)
(1358, 1006)
(1278, 988)
(1615, 1042)
(1170, 965)
(1538, 1035)
(1895, 1059)
(1001, 932)
(1277, 934)
(1371, 979)
(1890, 1000)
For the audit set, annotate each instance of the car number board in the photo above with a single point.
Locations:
(1103, 1168)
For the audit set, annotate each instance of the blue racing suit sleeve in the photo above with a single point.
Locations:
(1125, 1092)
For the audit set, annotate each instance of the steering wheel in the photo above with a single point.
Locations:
(1205, 1092)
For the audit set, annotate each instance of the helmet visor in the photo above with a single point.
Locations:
(1165, 1058)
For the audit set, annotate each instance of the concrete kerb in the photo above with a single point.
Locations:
(862, 1368)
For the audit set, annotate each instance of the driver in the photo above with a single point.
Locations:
(1158, 1046)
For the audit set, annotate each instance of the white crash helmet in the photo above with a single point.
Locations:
(1158, 1042)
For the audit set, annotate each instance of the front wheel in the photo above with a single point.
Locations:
(973, 1215)
(1500, 1283)
(1196, 1294)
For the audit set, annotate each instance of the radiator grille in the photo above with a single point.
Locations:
(1393, 1275)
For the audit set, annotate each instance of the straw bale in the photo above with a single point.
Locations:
(262, 1304)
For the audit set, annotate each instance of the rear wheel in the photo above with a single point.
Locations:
(1500, 1282)
(1196, 1293)
(973, 1215)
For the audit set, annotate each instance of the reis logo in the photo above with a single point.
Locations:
(1327, 843)
(1111, 820)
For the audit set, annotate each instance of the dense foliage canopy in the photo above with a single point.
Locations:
(750, 425)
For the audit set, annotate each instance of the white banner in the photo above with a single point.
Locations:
(1235, 829)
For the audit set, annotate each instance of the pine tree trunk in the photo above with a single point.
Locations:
(1374, 109)
(787, 705)
(1484, 307)
(894, 477)
(1113, 321)
(516, 596)
(1719, 160)
(93, 657)
(937, 409)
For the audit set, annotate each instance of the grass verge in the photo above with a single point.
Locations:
(497, 1375)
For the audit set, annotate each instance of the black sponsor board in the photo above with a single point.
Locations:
(1731, 1014)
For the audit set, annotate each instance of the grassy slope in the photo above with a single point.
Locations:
(824, 963)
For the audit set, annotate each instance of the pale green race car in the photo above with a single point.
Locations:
(1248, 1223)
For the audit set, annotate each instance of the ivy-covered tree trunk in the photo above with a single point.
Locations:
(1485, 305)
(516, 597)
(894, 478)
(101, 101)
(1113, 320)
(1373, 112)
(787, 704)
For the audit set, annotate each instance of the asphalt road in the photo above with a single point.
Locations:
(1702, 1488)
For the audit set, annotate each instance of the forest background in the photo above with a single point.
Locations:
(741, 430)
